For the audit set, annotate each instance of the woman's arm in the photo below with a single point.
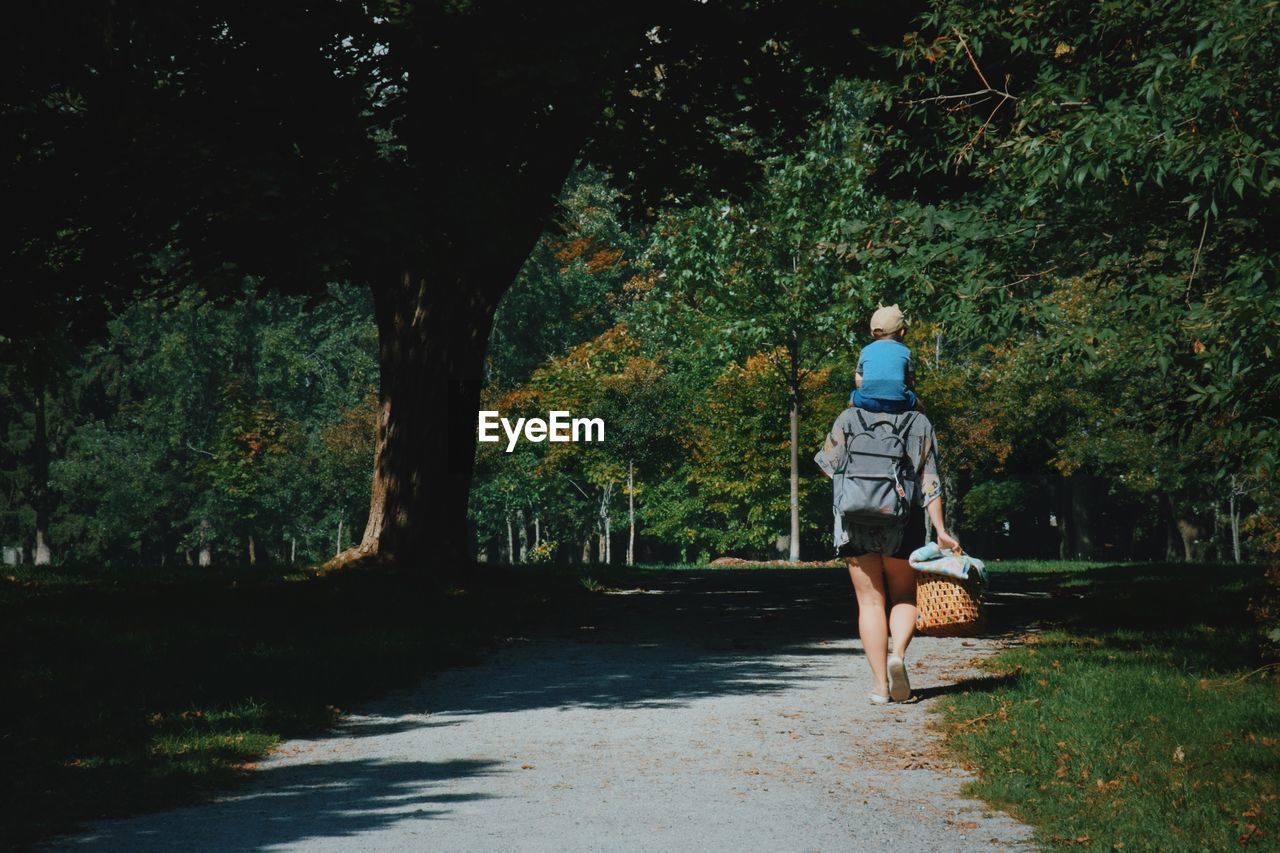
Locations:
(931, 485)
(945, 539)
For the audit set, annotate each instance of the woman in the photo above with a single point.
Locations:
(877, 555)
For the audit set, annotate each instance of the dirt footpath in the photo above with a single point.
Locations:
(717, 710)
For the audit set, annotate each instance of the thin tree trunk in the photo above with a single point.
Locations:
(606, 546)
(1235, 521)
(1171, 530)
(293, 548)
(338, 547)
(795, 467)
(1082, 517)
(40, 474)
(631, 513)
(523, 527)
(537, 531)
(1189, 533)
(586, 551)
(253, 551)
(206, 555)
(511, 542)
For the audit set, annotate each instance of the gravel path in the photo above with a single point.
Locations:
(711, 711)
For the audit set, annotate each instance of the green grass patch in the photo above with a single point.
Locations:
(137, 690)
(1146, 720)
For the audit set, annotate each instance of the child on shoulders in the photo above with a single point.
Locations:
(885, 380)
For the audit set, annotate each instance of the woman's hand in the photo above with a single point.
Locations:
(946, 541)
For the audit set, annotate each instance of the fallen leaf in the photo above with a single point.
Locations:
(526, 766)
(1179, 755)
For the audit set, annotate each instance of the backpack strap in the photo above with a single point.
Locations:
(902, 429)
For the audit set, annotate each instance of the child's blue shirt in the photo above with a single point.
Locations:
(887, 373)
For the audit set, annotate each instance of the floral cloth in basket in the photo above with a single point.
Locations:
(931, 558)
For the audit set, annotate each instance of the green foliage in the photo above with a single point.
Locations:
(988, 505)
(1089, 261)
(195, 425)
(1082, 194)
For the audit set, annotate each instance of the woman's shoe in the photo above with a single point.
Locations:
(878, 699)
(899, 684)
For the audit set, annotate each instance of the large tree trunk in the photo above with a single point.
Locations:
(432, 338)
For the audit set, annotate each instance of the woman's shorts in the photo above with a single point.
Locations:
(912, 538)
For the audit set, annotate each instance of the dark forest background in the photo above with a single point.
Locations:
(1082, 249)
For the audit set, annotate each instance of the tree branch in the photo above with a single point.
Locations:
(1195, 261)
(191, 446)
(1003, 94)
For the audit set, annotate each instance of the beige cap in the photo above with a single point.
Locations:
(887, 320)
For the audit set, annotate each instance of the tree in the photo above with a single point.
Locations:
(771, 274)
(1096, 185)
(414, 149)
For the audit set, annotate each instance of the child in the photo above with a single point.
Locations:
(885, 380)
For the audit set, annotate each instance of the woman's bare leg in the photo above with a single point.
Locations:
(901, 580)
(867, 574)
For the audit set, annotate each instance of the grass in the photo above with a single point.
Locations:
(138, 690)
(1145, 721)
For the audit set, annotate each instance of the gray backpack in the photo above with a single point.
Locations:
(877, 486)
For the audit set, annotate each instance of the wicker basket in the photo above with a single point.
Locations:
(948, 607)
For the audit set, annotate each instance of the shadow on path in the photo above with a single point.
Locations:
(297, 803)
(671, 638)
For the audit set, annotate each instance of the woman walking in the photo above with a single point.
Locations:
(876, 554)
